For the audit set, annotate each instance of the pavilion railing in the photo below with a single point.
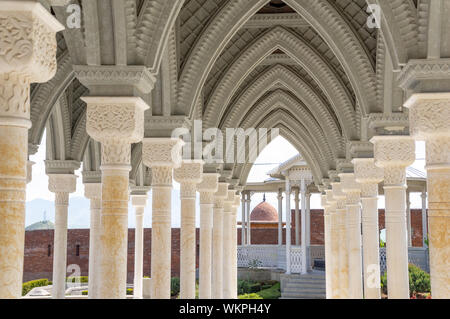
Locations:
(274, 256)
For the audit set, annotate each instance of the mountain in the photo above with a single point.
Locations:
(79, 212)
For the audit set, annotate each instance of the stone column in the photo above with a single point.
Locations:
(249, 222)
(305, 260)
(227, 244)
(327, 245)
(288, 224)
(62, 185)
(334, 245)
(234, 268)
(207, 188)
(115, 122)
(243, 230)
(408, 218)
(297, 217)
(353, 191)
(280, 217)
(93, 191)
(308, 231)
(369, 175)
(217, 249)
(27, 55)
(429, 121)
(394, 154)
(424, 218)
(138, 201)
(188, 175)
(162, 155)
(341, 217)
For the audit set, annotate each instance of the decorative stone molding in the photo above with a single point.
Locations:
(297, 174)
(338, 195)
(138, 200)
(359, 149)
(344, 166)
(62, 183)
(162, 152)
(61, 167)
(92, 177)
(384, 124)
(268, 20)
(27, 41)
(220, 195)
(190, 171)
(164, 125)
(137, 76)
(416, 72)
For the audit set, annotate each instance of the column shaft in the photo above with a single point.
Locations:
(297, 218)
(187, 241)
(217, 256)
(226, 267)
(60, 246)
(334, 254)
(280, 218)
(305, 260)
(424, 218)
(243, 222)
(138, 253)
(206, 232)
(288, 226)
(249, 222)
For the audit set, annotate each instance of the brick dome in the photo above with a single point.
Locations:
(264, 212)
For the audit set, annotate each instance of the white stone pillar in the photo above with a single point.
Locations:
(138, 201)
(93, 191)
(308, 231)
(368, 175)
(327, 245)
(249, 222)
(188, 175)
(429, 121)
(297, 217)
(288, 224)
(62, 185)
(394, 154)
(162, 155)
(280, 217)
(305, 260)
(334, 245)
(207, 188)
(227, 245)
(27, 55)
(424, 218)
(217, 249)
(341, 217)
(408, 218)
(115, 122)
(353, 191)
(243, 223)
(234, 268)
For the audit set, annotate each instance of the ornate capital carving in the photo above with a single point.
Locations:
(113, 119)
(162, 176)
(350, 187)
(366, 172)
(299, 173)
(190, 171)
(61, 167)
(162, 152)
(93, 190)
(207, 198)
(209, 183)
(237, 201)
(393, 151)
(394, 176)
(62, 183)
(338, 195)
(14, 100)
(429, 115)
(222, 191)
(28, 40)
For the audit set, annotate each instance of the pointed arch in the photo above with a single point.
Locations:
(300, 52)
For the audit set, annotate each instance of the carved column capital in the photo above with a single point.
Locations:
(162, 152)
(221, 195)
(394, 154)
(190, 171)
(139, 200)
(30, 171)
(93, 190)
(207, 187)
(350, 188)
(338, 195)
(62, 183)
(429, 115)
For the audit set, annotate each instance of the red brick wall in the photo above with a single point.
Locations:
(37, 263)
